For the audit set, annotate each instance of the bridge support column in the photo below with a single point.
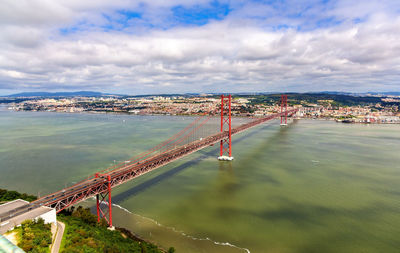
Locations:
(225, 153)
(104, 197)
(284, 113)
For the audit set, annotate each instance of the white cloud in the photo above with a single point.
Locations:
(240, 53)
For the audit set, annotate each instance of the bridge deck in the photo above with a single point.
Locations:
(93, 186)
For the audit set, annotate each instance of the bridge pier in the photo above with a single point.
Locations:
(104, 197)
(284, 110)
(226, 125)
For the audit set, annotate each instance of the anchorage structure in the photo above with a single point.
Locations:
(225, 152)
(284, 111)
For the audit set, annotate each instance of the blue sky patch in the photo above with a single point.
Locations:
(302, 16)
(200, 15)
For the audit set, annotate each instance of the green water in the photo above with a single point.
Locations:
(314, 186)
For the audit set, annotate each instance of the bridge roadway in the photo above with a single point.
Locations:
(93, 186)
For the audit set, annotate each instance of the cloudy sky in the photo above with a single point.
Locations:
(177, 46)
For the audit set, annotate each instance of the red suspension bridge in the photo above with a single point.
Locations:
(191, 139)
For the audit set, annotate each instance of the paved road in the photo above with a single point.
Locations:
(57, 242)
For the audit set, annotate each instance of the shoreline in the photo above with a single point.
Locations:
(128, 233)
(355, 122)
(4, 105)
(197, 115)
(127, 113)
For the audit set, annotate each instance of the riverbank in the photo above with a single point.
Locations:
(82, 232)
(353, 121)
(365, 120)
(6, 196)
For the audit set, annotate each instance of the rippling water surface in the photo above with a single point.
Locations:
(314, 186)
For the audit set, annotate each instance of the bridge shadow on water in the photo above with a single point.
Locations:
(213, 152)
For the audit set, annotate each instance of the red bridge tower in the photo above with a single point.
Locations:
(104, 198)
(225, 153)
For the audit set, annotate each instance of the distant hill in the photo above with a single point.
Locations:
(60, 94)
(393, 93)
(100, 94)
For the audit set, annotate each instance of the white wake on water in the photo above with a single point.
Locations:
(181, 232)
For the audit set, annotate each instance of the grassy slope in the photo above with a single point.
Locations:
(34, 236)
(83, 234)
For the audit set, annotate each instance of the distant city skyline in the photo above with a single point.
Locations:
(179, 46)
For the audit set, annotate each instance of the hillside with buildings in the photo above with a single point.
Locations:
(351, 108)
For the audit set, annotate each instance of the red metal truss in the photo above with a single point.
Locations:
(101, 185)
(104, 198)
(226, 125)
(156, 148)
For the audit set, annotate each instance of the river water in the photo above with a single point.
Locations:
(313, 186)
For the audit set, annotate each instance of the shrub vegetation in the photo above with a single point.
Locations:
(35, 236)
(84, 234)
(12, 195)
